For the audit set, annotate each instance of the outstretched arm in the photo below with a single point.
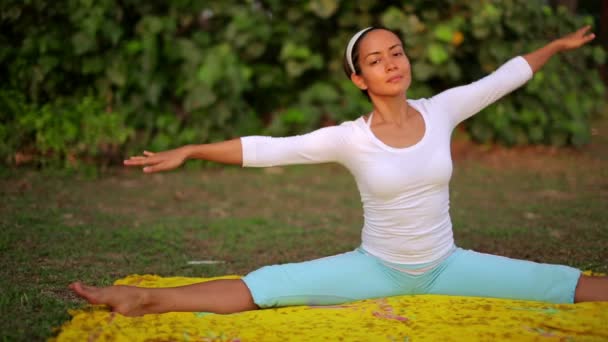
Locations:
(225, 152)
(462, 102)
(574, 40)
(323, 145)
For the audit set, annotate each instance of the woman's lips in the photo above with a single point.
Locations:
(395, 79)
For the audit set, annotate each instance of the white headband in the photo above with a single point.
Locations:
(351, 44)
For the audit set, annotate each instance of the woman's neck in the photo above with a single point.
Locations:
(392, 110)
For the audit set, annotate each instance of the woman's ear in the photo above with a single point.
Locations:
(358, 81)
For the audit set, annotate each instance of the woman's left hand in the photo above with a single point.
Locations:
(575, 39)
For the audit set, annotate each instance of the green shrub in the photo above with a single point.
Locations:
(551, 108)
(63, 132)
(192, 72)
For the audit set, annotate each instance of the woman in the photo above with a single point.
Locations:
(400, 157)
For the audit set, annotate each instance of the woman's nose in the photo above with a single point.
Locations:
(390, 65)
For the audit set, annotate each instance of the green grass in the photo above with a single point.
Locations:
(542, 205)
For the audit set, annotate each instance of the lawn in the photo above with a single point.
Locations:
(539, 204)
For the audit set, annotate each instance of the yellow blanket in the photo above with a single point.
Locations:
(401, 318)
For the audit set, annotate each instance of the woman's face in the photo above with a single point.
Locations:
(385, 69)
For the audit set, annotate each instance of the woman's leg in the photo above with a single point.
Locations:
(335, 279)
(591, 289)
(219, 296)
(470, 273)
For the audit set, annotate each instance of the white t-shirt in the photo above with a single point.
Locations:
(404, 191)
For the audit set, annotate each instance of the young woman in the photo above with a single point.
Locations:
(400, 157)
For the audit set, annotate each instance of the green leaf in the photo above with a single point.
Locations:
(117, 73)
(580, 132)
(444, 33)
(295, 69)
(393, 18)
(599, 54)
(208, 73)
(112, 31)
(133, 47)
(82, 43)
(293, 116)
(199, 97)
(48, 63)
(536, 134)
(437, 53)
(255, 49)
(291, 50)
(422, 71)
(161, 142)
(323, 8)
(92, 65)
(454, 71)
(481, 32)
(150, 25)
(490, 11)
(188, 50)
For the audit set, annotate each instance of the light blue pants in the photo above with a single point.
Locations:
(357, 275)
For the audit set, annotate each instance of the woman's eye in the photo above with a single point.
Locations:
(375, 61)
(398, 54)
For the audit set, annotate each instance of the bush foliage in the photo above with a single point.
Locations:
(88, 78)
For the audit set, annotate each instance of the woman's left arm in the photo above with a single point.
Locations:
(574, 40)
(460, 103)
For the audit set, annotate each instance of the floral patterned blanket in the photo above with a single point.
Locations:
(401, 318)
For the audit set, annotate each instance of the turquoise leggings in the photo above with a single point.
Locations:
(357, 275)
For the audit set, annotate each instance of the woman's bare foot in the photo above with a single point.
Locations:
(126, 300)
(222, 296)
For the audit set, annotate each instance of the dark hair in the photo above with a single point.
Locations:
(355, 55)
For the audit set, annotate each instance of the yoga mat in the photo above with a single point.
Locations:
(400, 318)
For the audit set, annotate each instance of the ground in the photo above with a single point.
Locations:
(536, 203)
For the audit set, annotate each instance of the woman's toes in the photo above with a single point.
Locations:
(125, 300)
(92, 294)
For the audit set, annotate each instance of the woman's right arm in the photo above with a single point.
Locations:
(225, 152)
(323, 145)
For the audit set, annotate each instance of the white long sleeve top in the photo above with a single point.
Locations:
(404, 191)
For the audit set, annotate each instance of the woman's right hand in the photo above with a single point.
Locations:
(160, 161)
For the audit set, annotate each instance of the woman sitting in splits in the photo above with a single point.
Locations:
(400, 157)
